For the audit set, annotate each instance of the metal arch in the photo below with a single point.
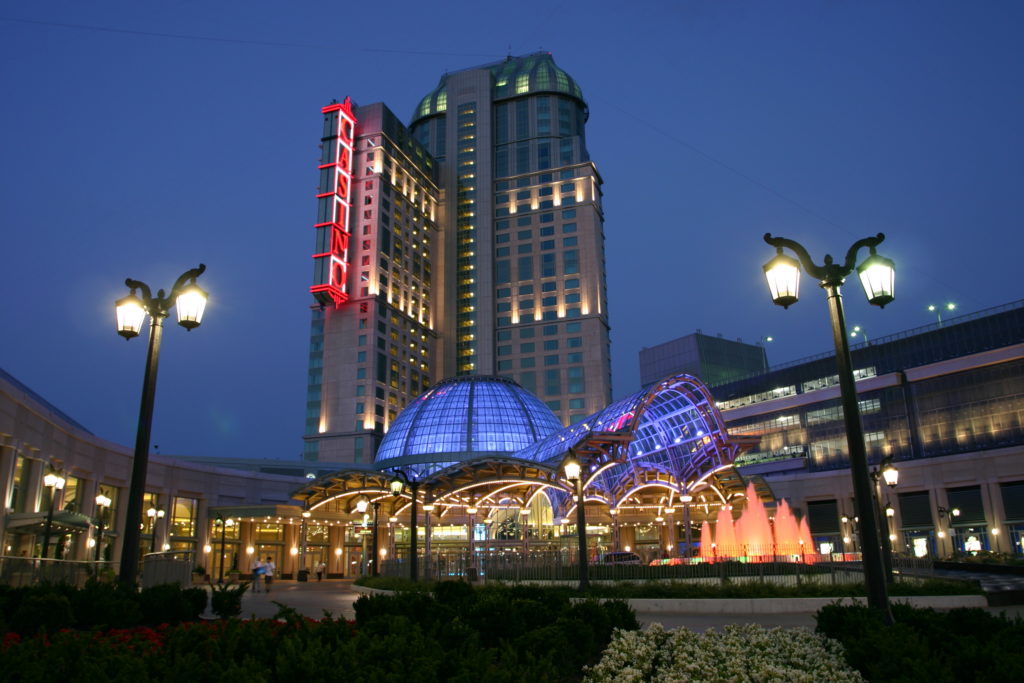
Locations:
(693, 386)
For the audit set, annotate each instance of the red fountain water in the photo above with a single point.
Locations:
(756, 539)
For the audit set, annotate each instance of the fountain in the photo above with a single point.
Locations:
(755, 538)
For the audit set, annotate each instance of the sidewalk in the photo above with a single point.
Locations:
(337, 596)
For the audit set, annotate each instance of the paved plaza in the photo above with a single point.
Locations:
(335, 596)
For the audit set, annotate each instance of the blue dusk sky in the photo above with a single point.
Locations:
(140, 139)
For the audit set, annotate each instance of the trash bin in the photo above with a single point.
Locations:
(303, 575)
(471, 574)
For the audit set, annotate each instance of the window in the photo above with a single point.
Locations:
(552, 382)
(549, 301)
(571, 261)
(575, 342)
(576, 404)
(554, 405)
(505, 292)
(527, 348)
(525, 304)
(526, 289)
(551, 360)
(550, 330)
(525, 249)
(183, 517)
(550, 344)
(505, 335)
(524, 234)
(505, 350)
(576, 357)
(547, 245)
(527, 362)
(568, 241)
(569, 213)
(527, 333)
(525, 267)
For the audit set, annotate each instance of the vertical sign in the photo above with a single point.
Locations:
(330, 262)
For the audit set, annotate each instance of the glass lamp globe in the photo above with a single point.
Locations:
(572, 468)
(878, 277)
(361, 505)
(396, 487)
(891, 475)
(783, 275)
(190, 305)
(130, 315)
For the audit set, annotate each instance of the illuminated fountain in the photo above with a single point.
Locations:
(755, 538)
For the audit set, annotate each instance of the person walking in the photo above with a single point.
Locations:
(320, 569)
(268, 573)
(258, 569)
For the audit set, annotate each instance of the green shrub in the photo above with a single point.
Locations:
(48, 612)
(226, 599)
(170, 604)
(395, 583)
(922, 644)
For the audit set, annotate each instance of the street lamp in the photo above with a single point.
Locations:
(888, 473)
(937, 310)
(154, 514)
(877, 276)
(223, 524)
(131, 312)
(101, 503)
(397, 485)
(686, 499)
(858, 331)
(573, 473)
(55, 482)
(376, 549)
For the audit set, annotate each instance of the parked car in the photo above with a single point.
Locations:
(619, 557)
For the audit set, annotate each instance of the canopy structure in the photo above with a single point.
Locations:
(655, 450)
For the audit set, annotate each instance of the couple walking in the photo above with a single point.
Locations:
(262, 571)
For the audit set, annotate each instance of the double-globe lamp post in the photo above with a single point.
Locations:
(574, 474)
(190, 302)
(877, 276)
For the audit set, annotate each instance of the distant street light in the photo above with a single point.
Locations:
(224, 524)
(877, 276)
(887, 472)
(131, 314)
(573, 473)
(55, 483)
(397, 485)
(937, 310)
(154, 514)
(102, 502)
(857, 331)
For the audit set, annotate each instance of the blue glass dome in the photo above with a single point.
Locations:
(464, 418)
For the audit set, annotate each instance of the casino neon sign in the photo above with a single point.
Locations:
(334, 200)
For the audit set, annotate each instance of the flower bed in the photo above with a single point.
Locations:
(500, 634)
(747, 652)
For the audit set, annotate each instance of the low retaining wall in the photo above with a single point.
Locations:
(768, 605)
(788, 605)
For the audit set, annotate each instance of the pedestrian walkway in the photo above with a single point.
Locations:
(337, 596)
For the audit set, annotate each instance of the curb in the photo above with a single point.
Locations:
(789, 605)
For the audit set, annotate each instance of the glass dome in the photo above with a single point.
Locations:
(464, 418)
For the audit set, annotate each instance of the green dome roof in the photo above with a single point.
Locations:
(513, 77)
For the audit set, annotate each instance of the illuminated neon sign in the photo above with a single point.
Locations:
(330, 269)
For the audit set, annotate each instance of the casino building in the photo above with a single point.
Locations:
(469, 242)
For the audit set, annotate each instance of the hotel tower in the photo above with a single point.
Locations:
(470, 242)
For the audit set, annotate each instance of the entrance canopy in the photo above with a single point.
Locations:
(660, 448)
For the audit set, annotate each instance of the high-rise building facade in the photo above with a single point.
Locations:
(373, 345)
(526, 254)
(469, 243)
